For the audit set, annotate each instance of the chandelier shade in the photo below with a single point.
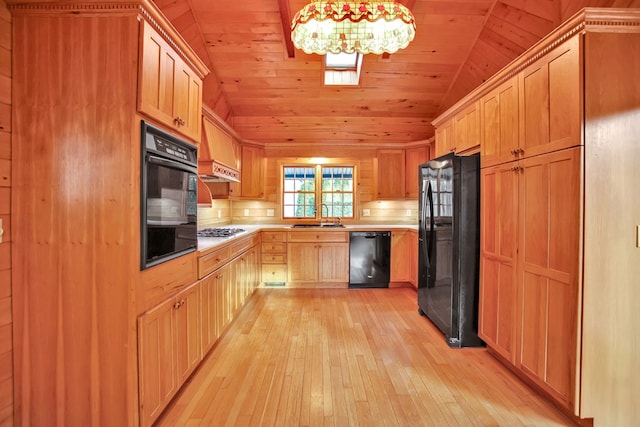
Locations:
(342, 26)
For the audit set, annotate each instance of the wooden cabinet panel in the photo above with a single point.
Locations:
(548, 269)
(499, 207)
(390, 174)
(550, 113)
(274, 257)
(169, 338)
(399, 256)
(466, 129)
(169, 90)
(303, 262)
(414, 157)
(444, 138)
(188, 332)
(252, 171)
(158, 379)
(499, 124)
(333, 262)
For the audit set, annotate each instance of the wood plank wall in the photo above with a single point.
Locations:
(6, 318)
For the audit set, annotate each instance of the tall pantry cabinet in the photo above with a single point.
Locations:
(560, 239)
(77, 284)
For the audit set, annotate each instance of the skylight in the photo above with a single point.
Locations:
(342, 69)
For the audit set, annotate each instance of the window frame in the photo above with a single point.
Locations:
(318, 191)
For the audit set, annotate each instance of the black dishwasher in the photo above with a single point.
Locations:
(369, 259)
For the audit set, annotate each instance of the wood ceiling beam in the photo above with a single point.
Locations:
(285, 18)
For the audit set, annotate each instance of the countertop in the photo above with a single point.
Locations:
(207, 244)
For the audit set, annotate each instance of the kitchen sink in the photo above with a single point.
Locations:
(317, 225)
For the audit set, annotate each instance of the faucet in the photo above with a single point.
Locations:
(322, 205)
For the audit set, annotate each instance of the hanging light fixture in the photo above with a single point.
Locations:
(345, 26)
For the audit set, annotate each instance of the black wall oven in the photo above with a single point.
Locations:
(169, 200)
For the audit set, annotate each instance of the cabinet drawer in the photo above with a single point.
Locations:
(318, 236)
(274, 258)
(268, 248)
(274, 273)
(240, 247)
(212, 261)
(274, 236)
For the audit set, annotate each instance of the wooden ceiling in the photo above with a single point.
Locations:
(269, 97)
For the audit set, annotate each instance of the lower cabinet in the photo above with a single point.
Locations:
(174, 336)
(318, 257)
(169, 339)
(529, 289)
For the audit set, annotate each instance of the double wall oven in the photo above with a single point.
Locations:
(168, 208)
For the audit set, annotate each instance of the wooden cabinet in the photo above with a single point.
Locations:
(414, 157)
(274, 256)
(459, 133)
(318, 257)
(169, 90)
(547, 270)
(550, 101)
(498, 222)
(212, 309)
(413, 257)
(466, 129)
(499, 124)
(169, 338)
(400, 256)
(444, 138)
(252, 171)
(390, 174)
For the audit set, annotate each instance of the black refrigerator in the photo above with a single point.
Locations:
(449, 246)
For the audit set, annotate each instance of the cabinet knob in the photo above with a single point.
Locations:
(179, 121)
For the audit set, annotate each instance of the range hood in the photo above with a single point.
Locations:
(217, 161)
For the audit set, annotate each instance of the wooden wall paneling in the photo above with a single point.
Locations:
(610, 349)
(77, 217)
(6, 313)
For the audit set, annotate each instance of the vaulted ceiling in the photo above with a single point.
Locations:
(269, 93)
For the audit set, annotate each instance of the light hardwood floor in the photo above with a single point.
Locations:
(336, 357)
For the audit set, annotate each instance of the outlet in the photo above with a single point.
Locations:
(270, 212)
(408, 213)
(219, 213)
(366, 212)
(246, 212)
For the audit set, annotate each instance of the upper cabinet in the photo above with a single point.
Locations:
(170, 91)
(396, 172)
(253, 169)
(414, 157)
(390, 170)
(460, 133)
(499, 120)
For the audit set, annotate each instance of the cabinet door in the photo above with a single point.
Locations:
(498, 222)
(158, 378)
(333, 262)
(399, 256)
(303, 262)
(466, 129)
(188, 331)
(252, 172)
(414, 157)
(444, 138)
(390, 174)
(499, 124)
(169, 91)
(223, 316)
(550, 197)
(550, 113)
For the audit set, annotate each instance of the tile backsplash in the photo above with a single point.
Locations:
(223, 212)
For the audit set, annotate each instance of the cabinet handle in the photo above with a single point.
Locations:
(176, 305)
(179, 121)
(514, 152)
(520, 150)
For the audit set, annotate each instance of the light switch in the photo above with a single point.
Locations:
(246, 212)
(366, 212)
(270, 212)
(408, 212)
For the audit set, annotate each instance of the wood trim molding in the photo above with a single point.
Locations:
(586, 20)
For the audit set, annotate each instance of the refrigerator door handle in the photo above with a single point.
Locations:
(431, 222)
